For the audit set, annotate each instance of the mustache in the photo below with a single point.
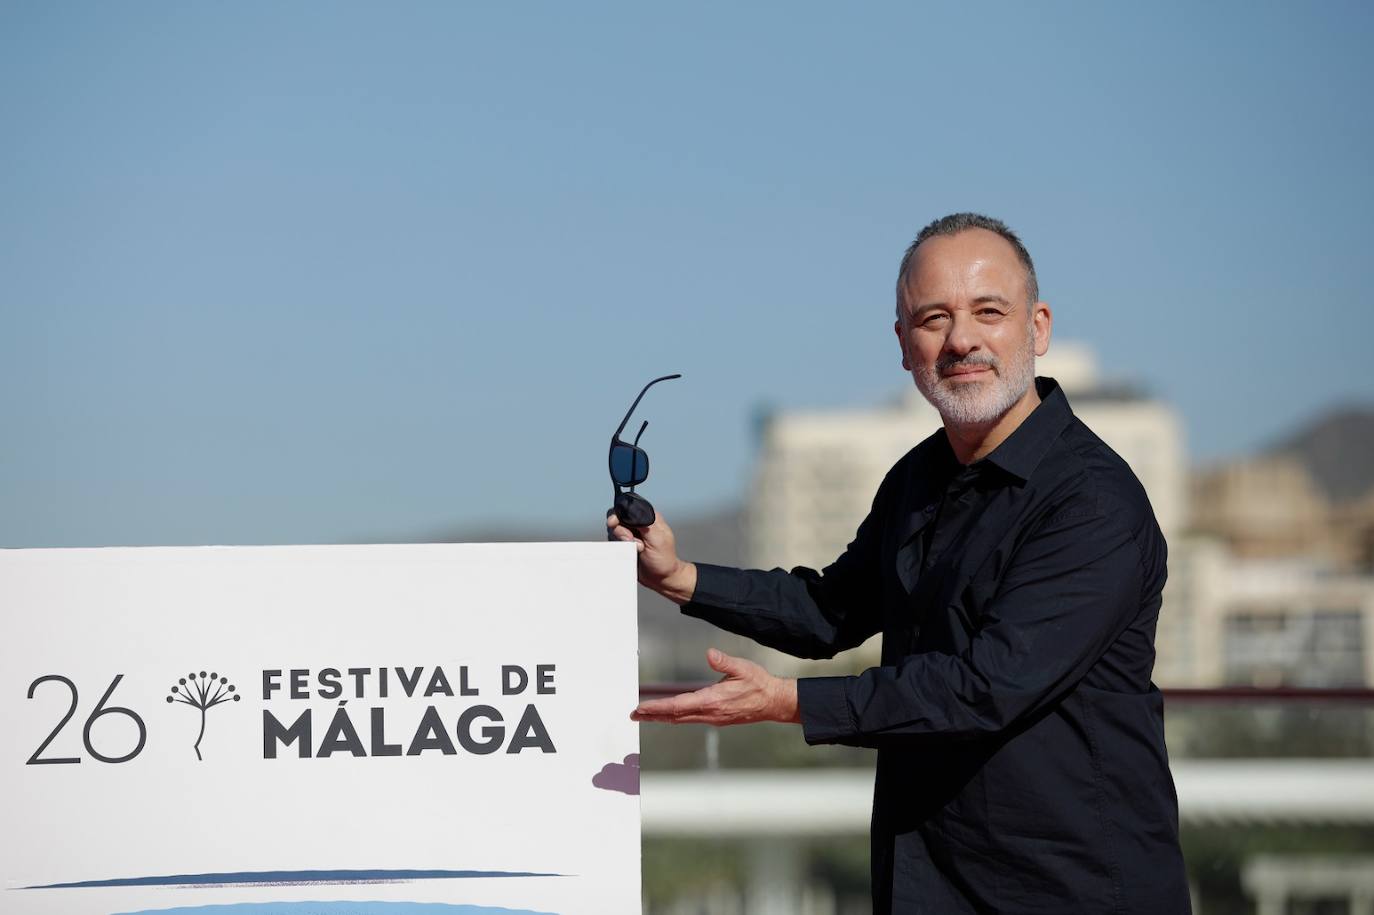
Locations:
(949, 361)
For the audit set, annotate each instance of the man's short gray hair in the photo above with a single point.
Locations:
(953, 224)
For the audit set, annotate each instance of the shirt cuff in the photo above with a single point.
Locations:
(824, 706)
(717, 586)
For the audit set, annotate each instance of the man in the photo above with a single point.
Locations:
(1014, 566)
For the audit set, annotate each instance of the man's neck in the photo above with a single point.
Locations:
(975, 441)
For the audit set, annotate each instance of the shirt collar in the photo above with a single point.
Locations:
(1020, 453)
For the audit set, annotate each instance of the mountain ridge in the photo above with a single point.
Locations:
(1336, 447)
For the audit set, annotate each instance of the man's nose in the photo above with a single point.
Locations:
(963, 335)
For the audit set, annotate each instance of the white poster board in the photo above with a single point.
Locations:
(435, 729)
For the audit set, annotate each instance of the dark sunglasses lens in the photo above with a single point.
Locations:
(629, 465)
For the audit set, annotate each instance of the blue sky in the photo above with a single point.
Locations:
(314, 272)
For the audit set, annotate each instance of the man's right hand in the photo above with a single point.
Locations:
(660, 569)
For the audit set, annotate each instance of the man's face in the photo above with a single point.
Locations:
(969, 337)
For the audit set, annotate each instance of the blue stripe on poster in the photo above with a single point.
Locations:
(337, 908)
(290, 878)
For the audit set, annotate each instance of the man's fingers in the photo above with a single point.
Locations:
(617, 531)
(724, 663)
(677, 708)
(693, 718)
(670, 707)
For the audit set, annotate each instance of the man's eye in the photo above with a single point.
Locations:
(933, 319)
(991, 314)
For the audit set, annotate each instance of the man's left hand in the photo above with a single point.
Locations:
(746, 694)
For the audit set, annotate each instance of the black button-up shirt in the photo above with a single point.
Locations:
(1021, 759)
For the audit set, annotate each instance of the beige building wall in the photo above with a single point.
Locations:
(1352, 526)
(1188, 638)
(1263, 507)
(1232, 621)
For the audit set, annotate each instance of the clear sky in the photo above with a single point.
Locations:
(313, 272)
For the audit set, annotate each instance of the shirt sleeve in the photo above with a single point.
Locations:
(1070, 590)
(804, 613)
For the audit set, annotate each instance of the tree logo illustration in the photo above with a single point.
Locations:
(204, 694)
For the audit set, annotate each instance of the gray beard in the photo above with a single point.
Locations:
(983, 402)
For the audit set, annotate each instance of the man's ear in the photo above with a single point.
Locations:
(1043, 320)
(901, 342)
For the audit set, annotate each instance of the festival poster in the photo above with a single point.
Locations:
(431, 729)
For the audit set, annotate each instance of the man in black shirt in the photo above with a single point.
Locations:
(1014, 566)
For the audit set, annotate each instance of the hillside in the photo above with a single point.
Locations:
(1337, 448)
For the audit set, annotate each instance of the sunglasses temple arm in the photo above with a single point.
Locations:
(640, 433)
(631, 411)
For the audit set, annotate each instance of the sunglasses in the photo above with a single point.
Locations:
(630, 467)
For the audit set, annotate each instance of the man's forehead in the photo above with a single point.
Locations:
(971, 256)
